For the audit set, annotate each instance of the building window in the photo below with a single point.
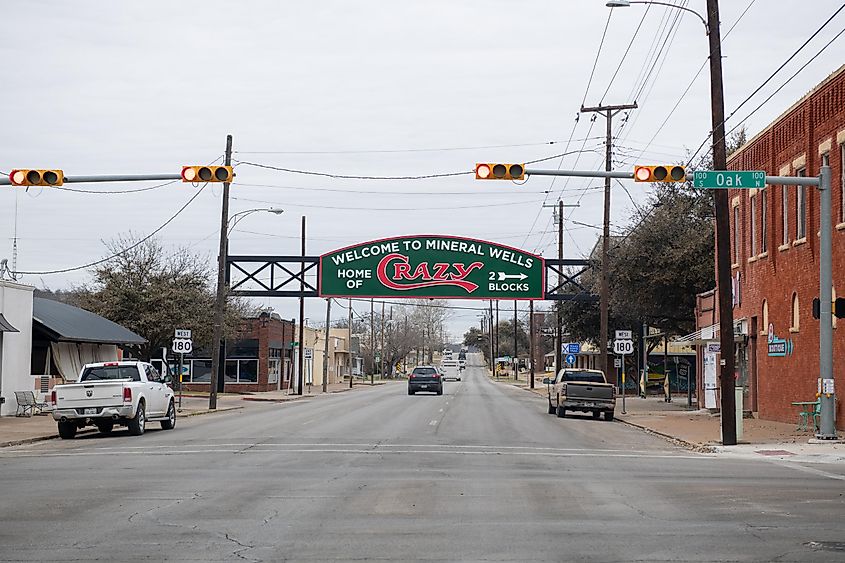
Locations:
(785, 213)
(737, 236)
(764, 225)
(765, 315)
(801, 207)
(842, 179)
(753, 227)
(796, 318)
(833, 299)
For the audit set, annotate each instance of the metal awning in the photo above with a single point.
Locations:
(711, 333)
(6, 326)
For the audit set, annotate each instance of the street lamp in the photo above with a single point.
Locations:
(723, 260)
(218, 356)
(627, 4)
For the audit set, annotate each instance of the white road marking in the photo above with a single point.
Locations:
(358, 451)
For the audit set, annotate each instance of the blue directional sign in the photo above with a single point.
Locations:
(573, 347)
(570, 359)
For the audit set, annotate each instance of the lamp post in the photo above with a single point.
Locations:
(218, 356)
(723, 260)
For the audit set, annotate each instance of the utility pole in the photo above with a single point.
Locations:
(727, 401)
(608, 112)
(515, 351)
(490, 337)
(349, 342)
(326, 353)
(381, 347)
(531, 343)
(218, 367)
(300, 383)
(557, 210)
(372, 342)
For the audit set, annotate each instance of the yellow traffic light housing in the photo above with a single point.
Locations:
(662, 173)
(37, 177)
(207, 174)
(499, 171)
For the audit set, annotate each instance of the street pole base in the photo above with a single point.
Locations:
(827, 437)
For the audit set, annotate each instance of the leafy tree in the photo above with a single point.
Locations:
(152, 292)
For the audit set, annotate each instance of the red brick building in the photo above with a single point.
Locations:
(260, 359)
(775, 254)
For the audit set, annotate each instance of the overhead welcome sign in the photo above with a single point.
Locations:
(435, 266)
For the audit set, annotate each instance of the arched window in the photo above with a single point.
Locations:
(765, 315)
(796, 321)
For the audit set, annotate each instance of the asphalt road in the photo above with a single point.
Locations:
(481, 473)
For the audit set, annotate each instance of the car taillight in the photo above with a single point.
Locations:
(411, 376)
(53, 397)
(127, 394)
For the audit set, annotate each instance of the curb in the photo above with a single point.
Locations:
(701, 448)
(208, 411)
(35, 439)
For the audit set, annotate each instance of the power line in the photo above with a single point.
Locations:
(347, 208)
(125, 250)
(361, 177)
(390, 151)
(625, 54)
(788, 80)
(596, 61)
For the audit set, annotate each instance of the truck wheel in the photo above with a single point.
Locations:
(440, 391)
(561, 412)
(170, 423)
(551, 407)
(136, 424)
(608, 416)
(105, 427)
(67, 430)
(596, 414)
(410, 392)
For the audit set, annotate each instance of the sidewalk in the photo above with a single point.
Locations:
(700, 430)
(23, 430)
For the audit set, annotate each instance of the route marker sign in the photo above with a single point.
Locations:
(432, 266)
(624, 335)
(724, 179)
(182, 345)
(623, 347)
(182, 333)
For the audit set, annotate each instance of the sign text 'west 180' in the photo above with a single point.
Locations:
(432, 266)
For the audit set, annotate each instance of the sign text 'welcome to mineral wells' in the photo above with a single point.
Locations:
(433, 266)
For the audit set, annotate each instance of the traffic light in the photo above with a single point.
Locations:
(660, 173)
(37, 177)
(499, 171)
(838, 308)
(207, 174)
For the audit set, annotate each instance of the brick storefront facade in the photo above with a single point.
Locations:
(776, 260)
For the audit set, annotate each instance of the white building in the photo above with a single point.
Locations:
(15, 342)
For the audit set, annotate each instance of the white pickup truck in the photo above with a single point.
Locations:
(125, 393)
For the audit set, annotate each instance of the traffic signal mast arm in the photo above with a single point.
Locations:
(200, 173)
(6, 181)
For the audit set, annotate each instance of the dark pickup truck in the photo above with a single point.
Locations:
(583, 390)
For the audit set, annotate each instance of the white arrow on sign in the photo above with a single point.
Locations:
(504, 276)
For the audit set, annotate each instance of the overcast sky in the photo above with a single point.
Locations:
(363, 88)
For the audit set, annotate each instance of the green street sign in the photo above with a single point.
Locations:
(724, 179)
(431, 266)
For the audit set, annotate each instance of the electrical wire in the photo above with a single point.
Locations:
(625, 54)
(104, 192)
(390, 151)
(125, 250)
(596, 61)
(347, 208)
(788, 80)
(357, 177)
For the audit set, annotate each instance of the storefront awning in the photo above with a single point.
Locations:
(6, 326)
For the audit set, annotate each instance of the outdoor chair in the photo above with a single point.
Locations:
(28, 404)
(806, 413)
